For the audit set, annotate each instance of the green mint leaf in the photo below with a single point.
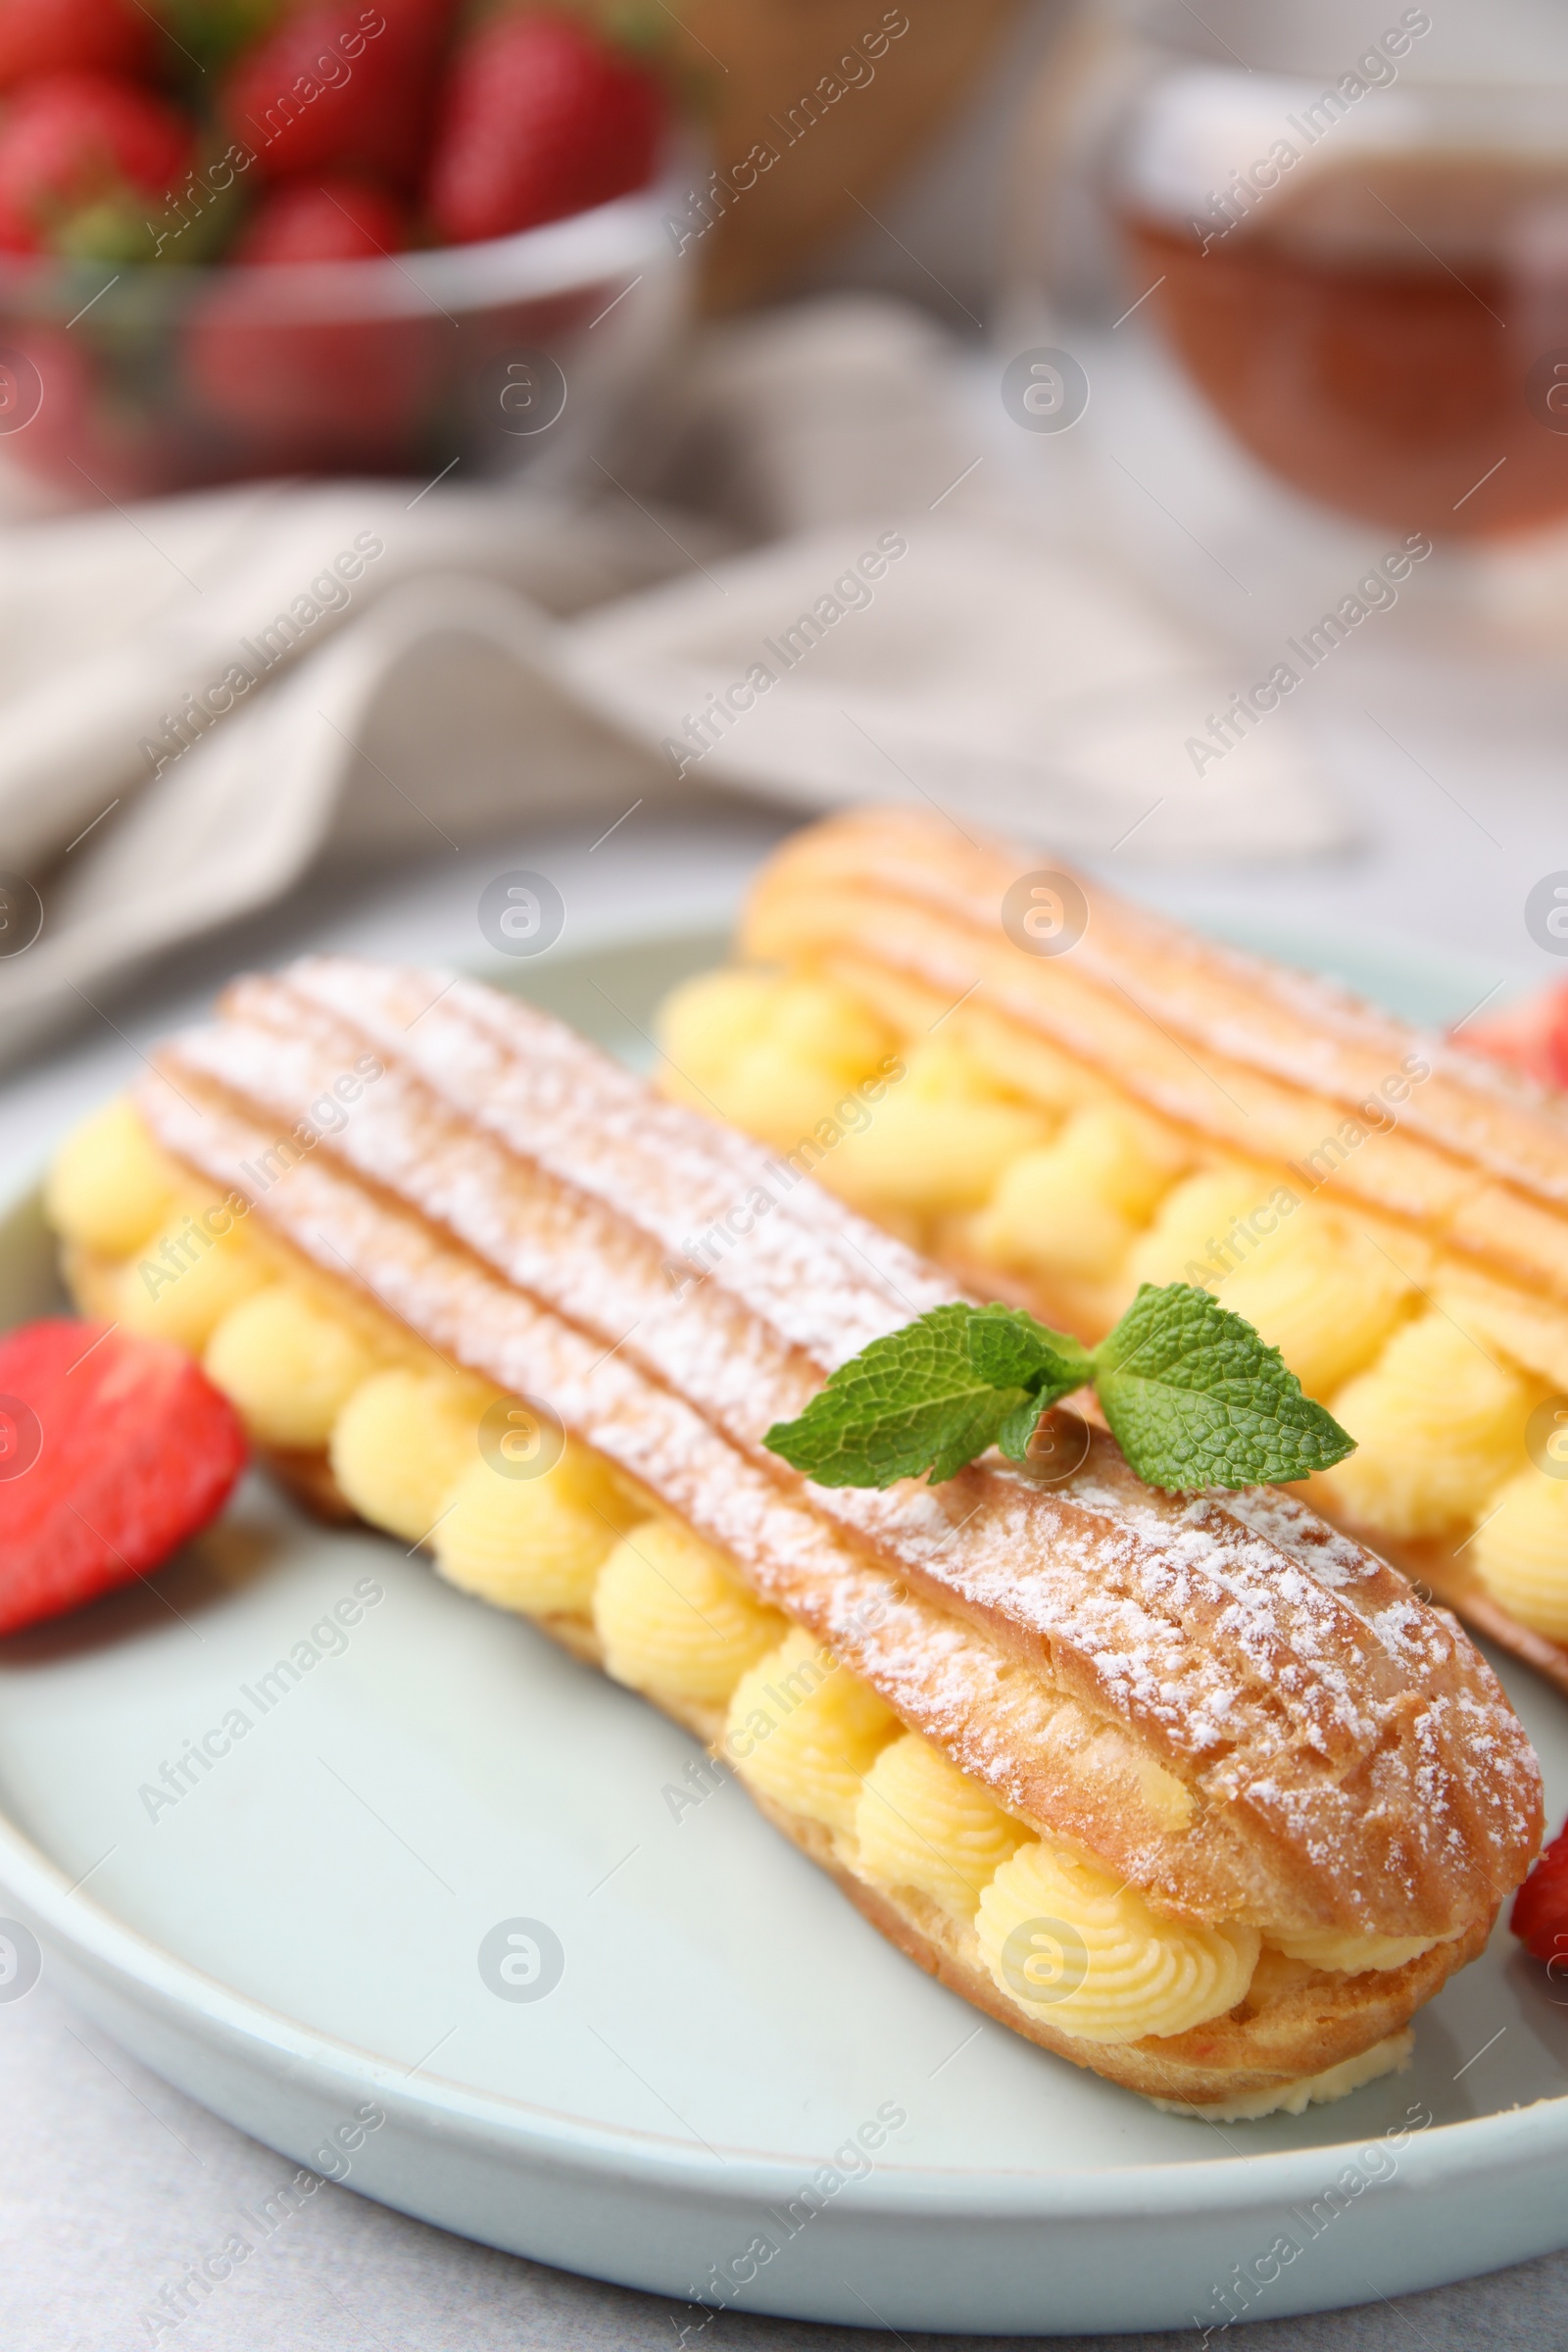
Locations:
(912, 1402)
(1014, 1436)
(1196, 1398)
(1011, 1350)
(1191, 1393)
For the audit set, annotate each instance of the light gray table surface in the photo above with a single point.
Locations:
(107, 2178)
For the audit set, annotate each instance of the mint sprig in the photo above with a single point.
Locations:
(1193, 1395)
(931, 1396)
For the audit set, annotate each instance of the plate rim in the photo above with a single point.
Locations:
(106, 1946)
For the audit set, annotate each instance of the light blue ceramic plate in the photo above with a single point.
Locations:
(688, 2109)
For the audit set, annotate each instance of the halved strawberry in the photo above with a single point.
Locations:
(1540, 1914)
(113, 1450)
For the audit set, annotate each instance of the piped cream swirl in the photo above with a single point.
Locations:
(1095, 1960)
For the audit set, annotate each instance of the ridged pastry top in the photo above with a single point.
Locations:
(1242, 1051)
(537, 1211)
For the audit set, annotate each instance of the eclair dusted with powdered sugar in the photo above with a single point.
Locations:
(1191, 1791)
(1095, 1097)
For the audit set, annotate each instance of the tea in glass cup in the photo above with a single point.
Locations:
(1371, 292)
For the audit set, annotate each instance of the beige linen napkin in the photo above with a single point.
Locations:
(201, 697)
(952, 662)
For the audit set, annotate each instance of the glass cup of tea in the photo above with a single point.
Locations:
(1349, 225)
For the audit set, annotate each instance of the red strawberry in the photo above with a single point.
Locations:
(69, 37)
(82, 156)
(88, 436)
(540, 118)
(113, 1451)
(1532, 1036)
(309, 389)
(341, 85)
(339, 220)
(1540, 1914)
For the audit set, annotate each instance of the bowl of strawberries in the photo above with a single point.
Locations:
(253, 237)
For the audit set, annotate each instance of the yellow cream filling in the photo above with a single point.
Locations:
(1169, 1799)
(1072, 1949)
(1191, 1231)
(797, 1059)
(805, 1731)
(185, 1278)
(674, 1618)
(534, 1546)
(937, 1138)
(400, 1443)
(288, 1368)
(1520, 1551)
(771, 1053)
(1438, 1425)
(1351, 1955)
(1325, 1296)
(920, 1821)
(109, 1186)
(1074, 1206)
(1390, 2056)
